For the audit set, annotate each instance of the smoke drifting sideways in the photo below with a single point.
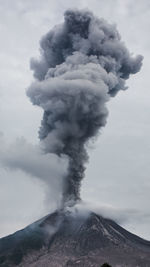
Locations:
(28, 159)
(83, 64)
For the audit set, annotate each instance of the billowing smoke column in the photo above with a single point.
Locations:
(83, 64)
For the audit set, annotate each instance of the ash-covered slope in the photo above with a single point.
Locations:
(66, 239)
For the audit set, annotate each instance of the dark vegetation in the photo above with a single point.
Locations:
(106, 265)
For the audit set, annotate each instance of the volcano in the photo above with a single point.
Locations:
(63, 238)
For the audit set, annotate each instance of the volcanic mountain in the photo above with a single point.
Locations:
(68, 239)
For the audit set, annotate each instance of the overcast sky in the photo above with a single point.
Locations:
(117, 176)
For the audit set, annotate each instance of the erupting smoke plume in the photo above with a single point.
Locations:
(83, 64)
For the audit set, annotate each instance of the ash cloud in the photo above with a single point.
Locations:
(83, 64)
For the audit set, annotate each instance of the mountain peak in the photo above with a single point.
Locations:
(65, 239)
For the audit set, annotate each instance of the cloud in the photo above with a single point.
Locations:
(48, 169)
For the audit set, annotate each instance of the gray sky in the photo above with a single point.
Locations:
(117, 176)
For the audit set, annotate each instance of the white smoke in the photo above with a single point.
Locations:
(29, 158)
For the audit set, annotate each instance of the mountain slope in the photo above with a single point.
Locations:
(66, 239)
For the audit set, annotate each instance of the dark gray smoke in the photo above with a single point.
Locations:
(83, 64)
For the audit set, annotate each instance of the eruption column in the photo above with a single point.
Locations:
(83, 64)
